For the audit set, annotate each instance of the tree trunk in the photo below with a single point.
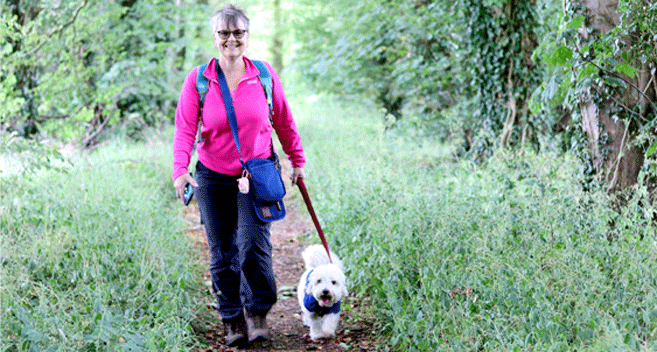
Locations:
(26, 75)
(277, 39)
(611, 131)
(179, 56)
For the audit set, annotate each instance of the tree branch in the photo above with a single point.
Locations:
(612, 184)
(59, 29)
(648, 84)
(654, 82)
(616, 76)
(628, 109)
(511, 113)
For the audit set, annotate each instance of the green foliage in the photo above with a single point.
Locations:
(584, 62)
(78, 69)
(510, 254)
(402, 55)
(23, 157)
(438, 63)
(502, 37)
(94, 258)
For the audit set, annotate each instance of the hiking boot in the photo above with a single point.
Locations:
(235, 332)
(257, 327)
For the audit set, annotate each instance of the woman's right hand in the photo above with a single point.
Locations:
(179, 184)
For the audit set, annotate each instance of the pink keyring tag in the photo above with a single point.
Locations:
(243, 184)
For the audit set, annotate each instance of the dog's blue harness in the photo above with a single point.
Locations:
(312, 305)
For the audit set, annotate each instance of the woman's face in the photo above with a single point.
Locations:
(226, 40)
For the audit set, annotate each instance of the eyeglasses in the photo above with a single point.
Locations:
(238, 33)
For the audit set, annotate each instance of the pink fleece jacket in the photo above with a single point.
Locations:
(217, 151)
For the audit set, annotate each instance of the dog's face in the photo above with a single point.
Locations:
(327, 284)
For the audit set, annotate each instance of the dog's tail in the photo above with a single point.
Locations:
(315, 255)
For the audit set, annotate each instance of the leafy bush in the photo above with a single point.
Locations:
(403, 55)
(512, 254)
(76, 70)
(93, 258)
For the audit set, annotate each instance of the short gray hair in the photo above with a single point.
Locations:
(229, 15)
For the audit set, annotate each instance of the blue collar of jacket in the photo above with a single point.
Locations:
(312, 305)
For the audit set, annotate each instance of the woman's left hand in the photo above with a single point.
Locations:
(297, 173)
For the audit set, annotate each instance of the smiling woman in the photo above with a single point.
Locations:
(241, 251)
(231, 38)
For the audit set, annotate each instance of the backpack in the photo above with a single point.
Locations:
(202, 88)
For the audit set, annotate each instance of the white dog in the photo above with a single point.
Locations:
(321, 287)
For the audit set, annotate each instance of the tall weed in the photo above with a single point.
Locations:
(94, 258)
(512, 254)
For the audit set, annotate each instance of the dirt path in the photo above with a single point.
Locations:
(288, 332)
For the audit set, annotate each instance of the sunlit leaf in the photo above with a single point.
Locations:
(575, 23)
(651, 150)
(626, 69)
(587, 71)
(562, 55)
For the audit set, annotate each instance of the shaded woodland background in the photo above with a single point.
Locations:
(496, 73)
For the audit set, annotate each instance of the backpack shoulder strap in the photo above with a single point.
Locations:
(202, 83)
(266, 81)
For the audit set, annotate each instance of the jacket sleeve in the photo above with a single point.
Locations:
(284, 124)
(186, 125)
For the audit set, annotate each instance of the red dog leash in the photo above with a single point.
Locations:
(306, 198)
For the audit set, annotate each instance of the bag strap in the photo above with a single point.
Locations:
(202, 84)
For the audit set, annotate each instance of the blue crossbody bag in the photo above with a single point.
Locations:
(266, 186)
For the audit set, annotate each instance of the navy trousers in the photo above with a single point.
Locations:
(240, 249)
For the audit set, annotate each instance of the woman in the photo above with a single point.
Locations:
(241, 252)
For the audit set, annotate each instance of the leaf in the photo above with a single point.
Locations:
(615, 82)
(626, 69)
(575, 23)
(651, 150)
(587, 71)
(562, 55)
(550, 89)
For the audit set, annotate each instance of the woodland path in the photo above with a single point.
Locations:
(289, 238)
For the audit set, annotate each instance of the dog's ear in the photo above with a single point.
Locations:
(310, 285)
(343, 282)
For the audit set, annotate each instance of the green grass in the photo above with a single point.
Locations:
(508, 255)
(94, 258)
(456, 256)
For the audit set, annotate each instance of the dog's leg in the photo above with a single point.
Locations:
(330, 324)
(316, 331)
(305, 316)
